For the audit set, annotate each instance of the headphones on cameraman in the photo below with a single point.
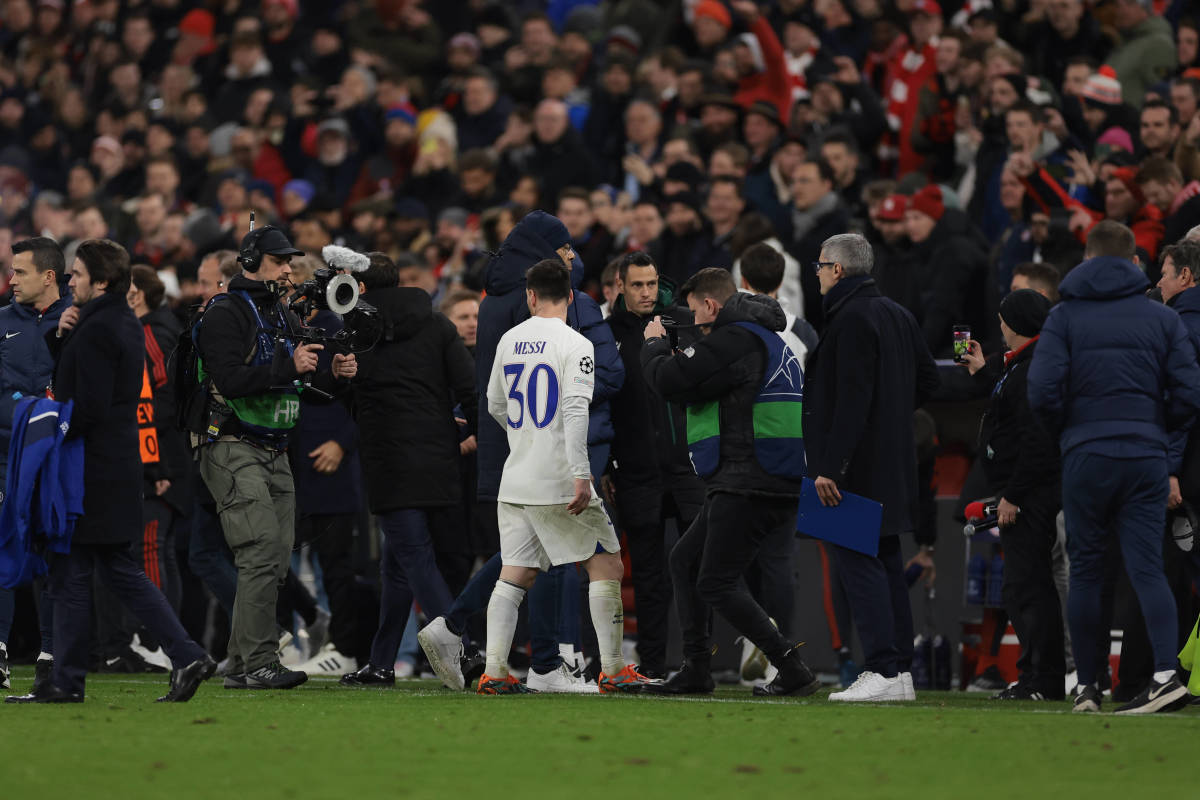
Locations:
(250, 257)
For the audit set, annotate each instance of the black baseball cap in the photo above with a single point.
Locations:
(270, 241)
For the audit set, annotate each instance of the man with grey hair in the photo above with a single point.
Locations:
(867, 375)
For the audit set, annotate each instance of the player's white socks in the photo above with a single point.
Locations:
(608, 618)
(501, 625)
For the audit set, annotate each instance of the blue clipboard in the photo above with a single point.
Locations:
(853, 523)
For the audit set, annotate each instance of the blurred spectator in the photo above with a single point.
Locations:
(1146, 54)
(818, 213)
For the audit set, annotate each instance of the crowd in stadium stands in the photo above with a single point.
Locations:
(976, 145)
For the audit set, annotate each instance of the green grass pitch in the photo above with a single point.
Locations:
(417, 740)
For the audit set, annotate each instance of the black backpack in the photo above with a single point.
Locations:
(191, 394)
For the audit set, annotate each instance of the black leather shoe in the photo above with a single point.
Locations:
(46, 693)
(42, 669)
(795, 679)
(692, 678)
(185, 682)
(369, 676)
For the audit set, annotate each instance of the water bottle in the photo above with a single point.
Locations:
(995, 587)
(941, 663)
(922, 663)
(976, 580)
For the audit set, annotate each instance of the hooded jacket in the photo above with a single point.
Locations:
(405, 393)
(1114, 371)
(727, 365)
(868, 374)
(534, 238)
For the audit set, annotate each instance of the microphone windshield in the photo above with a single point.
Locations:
(345, 258)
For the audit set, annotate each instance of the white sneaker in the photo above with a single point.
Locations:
(754, 662)
(404, 669)
(910, 691)
(445, 653)
(329, 662)
(156, 657)
(560, 681)
(871, 687)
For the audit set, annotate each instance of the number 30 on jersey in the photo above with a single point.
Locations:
(536, 396)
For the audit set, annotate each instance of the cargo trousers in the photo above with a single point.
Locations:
(256, 502)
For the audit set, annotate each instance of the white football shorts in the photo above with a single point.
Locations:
(544, 536)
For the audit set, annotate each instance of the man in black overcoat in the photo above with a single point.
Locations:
(99, 362)
(869, 372)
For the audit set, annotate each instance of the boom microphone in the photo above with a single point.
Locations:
(345, 259)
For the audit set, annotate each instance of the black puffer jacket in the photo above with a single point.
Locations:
(727, 365)
(405, 394)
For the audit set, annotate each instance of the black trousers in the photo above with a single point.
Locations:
(772, 579)
(708, 564)
(878, 596)
(331, 537)
(1031, 598)
(652, 581)
(115, 625)
(70, 583)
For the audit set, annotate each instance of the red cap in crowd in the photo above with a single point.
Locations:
(929, 202)
(893, 207)
(1128, 176)
(713, 10)
(926, 7)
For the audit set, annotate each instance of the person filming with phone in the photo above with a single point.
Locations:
(1021, 462)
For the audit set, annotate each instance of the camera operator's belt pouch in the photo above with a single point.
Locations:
(778, 412)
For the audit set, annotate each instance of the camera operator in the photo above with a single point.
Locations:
(1021, 462)
(254, 403)
(752, 479)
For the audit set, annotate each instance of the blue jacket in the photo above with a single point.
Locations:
(46, 467)
(1187, 305)
(1114, 371)
(26, 364)
(323, 419)
(536, 237)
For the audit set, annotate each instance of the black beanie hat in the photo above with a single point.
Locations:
(1025, 311)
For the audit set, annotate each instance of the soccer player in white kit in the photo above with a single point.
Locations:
(548, 513)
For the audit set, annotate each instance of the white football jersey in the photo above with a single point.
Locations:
(538, 363)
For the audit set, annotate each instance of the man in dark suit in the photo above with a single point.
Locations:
(99, 365)
(867, 375)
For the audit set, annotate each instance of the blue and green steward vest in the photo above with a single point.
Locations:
(778, 409)
(266, 418)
